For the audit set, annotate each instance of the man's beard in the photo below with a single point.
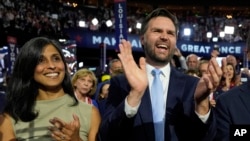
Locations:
(157, 59)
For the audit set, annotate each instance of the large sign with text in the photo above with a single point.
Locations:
(86, 39)
(204, 49)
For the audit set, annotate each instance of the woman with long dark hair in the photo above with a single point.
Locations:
(40, 99)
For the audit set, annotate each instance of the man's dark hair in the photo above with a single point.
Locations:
(159, 12)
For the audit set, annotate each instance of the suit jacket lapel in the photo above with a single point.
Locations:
(145, 114)
(175, 89)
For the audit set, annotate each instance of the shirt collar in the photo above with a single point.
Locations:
(165, 70)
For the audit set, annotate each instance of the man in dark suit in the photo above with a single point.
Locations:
(129, 114)
(233, 106)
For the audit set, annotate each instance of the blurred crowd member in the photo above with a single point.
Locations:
(40, 99)
(232, 108)
(102, 96)
(203, 66)
(183, 111)
(179, 61)
(216, 51)
(175, 62)
(228, 80)
(192, 61)
(84, 83)
(232, 60)
(115, 67)
(192, 72)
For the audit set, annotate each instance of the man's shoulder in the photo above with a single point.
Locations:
(235, 92)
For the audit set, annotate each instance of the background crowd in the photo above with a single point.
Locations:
(49, 17)
(39, 18)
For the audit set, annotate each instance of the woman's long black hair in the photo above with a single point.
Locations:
(22, 90)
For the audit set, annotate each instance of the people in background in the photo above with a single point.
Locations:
(103, 93)
(40, 101)
(102, 96)
(203, 66)
(185, 112)
(179, 61)
(84, 83)
(228, 80)
(115, 67)
(192, 72)
(232, 59)
(216, 51)
(48, 22)
(192, 61)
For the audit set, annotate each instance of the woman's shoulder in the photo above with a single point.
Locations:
(5, 118)
(84, 104)
(88, 113)
(6, 126)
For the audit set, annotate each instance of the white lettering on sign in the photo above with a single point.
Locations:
(110, 41)
(12, 55)
(206, 49)
(120, 16)
(195, 48)
(230, 49)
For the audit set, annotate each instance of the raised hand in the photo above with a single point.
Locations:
(136, 75)
(208, 84)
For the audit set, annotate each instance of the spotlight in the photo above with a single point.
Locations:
(138, 25)
(187, 31)
(82, 24)
(209, 34)
(222, 34)
(229, 30)
(94, 21)
(109, 23)
(215, 39)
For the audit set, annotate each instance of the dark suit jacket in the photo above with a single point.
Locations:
(232, 107)
(182, 124)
